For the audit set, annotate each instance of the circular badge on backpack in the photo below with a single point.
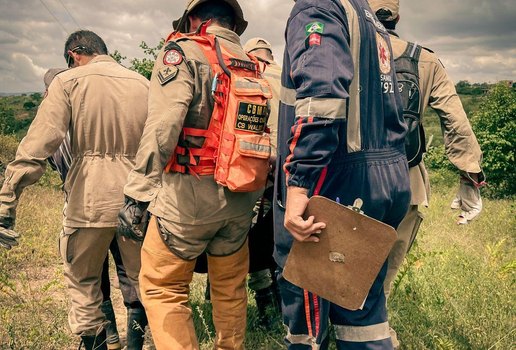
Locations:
(384, 54)
(172, 57)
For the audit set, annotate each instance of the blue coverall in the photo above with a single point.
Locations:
(340, 134)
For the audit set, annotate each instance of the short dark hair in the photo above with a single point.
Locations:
(85, 42)
(217, 10)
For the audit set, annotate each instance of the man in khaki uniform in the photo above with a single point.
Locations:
(462, 148)
(262, 50)
(104, 106)
(261, 236)
(191, 213)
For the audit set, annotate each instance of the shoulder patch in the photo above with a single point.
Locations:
(314, 27)
(172, 45)
(172, 57)
(167, 73)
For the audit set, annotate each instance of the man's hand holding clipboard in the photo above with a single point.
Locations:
(340, 253)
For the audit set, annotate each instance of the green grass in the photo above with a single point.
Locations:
(456, 290)
(458, 287)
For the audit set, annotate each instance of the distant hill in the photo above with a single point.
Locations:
(5, 94)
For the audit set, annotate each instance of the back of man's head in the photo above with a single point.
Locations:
(218, 11)
(260, 48)
(85, 42)
(387, 11)
(226, 13)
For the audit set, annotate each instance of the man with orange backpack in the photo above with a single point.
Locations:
(202, 164)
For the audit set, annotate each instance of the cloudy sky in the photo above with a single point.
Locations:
(475, 39)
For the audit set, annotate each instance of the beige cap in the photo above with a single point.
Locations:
(257, 43)
(51, 74)
(391, 7)
(181, 24)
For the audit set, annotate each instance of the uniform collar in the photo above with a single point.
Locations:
(101, 58)
(224, 33)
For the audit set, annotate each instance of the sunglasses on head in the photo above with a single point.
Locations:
(69, 59)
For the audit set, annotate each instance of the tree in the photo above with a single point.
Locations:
(495, 128)
(117, 56)
(144, 65)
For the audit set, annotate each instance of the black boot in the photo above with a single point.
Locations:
(94, 342)
(268, 306)
(136, 323)
(112, 337)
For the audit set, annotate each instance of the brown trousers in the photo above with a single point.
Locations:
(407, 232)
(83, 252)
(165, 285)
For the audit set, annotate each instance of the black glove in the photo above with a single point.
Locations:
(7, 235)
(133, 219)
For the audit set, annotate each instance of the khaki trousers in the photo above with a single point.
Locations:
(407, 232)
(83, 252)
(165, 285)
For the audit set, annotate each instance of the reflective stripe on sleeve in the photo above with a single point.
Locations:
(363, 334)
(329, 108)
(288, 96)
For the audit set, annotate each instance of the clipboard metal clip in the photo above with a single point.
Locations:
(357, 205)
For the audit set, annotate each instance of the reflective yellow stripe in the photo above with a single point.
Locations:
(330, 108)
(353, 134)
(288, 96)
(374, 332)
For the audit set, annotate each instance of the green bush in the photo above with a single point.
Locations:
(495, 128)
(435, 159)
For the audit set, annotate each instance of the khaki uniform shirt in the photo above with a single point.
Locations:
(273, 76)
(104, 105)
(438, 92)
(176, 197)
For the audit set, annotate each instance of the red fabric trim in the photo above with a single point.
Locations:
(317, 315)
(297, 127)
(320, 182)
(307, 313)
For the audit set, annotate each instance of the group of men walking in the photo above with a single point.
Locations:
(157, 162)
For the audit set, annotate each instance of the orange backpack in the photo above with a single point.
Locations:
(236, 146)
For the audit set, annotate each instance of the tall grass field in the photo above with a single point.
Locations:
(455, 291)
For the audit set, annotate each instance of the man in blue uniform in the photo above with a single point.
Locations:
(340, 135)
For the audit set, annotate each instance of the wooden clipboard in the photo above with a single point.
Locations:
(343, 265)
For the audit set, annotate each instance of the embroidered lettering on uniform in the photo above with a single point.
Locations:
(376, 22)
(242, 64)
(172, 57)
(314, 27)
(384, 54)
(167, 73)
(252, 117)
(314, 39)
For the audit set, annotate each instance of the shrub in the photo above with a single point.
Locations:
(29, 105)
(495, 127)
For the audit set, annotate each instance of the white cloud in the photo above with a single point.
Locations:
(474, 38)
